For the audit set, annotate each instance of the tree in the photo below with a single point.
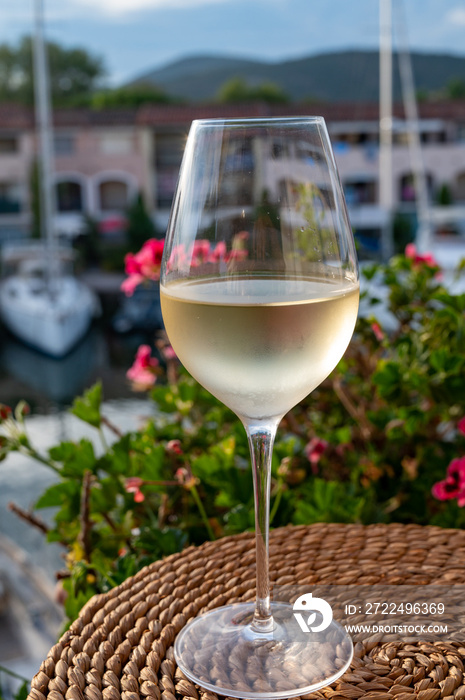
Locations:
(74, 73)
(132, 96)
(237, 90)
(455, 89)
(444, 196)
(140, 226)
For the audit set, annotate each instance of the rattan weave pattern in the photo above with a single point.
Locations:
(120, 647)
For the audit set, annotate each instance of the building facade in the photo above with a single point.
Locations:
(103, 159)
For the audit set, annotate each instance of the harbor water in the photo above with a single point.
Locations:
(49, 386)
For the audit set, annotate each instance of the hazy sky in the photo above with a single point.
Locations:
(134, 36)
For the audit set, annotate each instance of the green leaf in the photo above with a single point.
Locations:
(389, 380)
(87, 407)
(239, 519)
(160, 542)
(76, 457)
(117, 460)
(328, 501)
(23, 692)
(58, 494)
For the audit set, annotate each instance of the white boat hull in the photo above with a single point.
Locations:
(50, 322)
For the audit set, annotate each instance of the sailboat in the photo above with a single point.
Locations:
(42, 303)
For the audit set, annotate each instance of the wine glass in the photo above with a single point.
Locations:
(259, 293)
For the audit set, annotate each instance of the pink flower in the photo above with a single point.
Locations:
(177, 259)
(144, 265)
(130, 283)
(200, 252)
(426, 259)
(379, 335)
(149, 257)
(453, 486)
(461, 425)
(132, 485)
(169, 353)
(218, 252)
(174, 447)
(143, 371)
(314, 449)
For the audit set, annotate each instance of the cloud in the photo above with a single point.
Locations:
(123, 7)
(456, 16)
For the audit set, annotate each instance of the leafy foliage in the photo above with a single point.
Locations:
(367, 446)
(130, 96)
(237, 90)
(21, 693)
(74, 73)
(140, 226)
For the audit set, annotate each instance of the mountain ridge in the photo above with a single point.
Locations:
(346, 75)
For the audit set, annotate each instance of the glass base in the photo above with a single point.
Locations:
(220, 652)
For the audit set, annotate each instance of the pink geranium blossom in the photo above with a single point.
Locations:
(144, 265)
(132, 485)
(169, 353)
(314, 449)
(426, 259)
(143, 372)
(453, 486)
(174, 447)
(378, 333)
(177, 259)
(200, 252)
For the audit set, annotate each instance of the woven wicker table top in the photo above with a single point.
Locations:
(120, 647)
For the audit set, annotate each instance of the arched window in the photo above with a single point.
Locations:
(113, 195)
(69, 196)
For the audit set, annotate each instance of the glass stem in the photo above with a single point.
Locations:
(261, 438)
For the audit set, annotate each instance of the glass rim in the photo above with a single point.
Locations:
(254, 121)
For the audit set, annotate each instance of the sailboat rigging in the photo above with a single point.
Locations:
(42, 303)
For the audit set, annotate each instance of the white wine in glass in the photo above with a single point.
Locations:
(259, 293)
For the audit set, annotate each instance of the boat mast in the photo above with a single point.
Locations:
(422, 238)
(44, 125)
(385, 123)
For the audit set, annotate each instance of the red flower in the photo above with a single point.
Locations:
(453, 486)
(177, 259)
(144, 265)
(378, 333)
(218, 252)
(5, 412)
(461, 425)
(426, 259)
(168, 353)
(314, 449)
(174, 446)
(143, 371)
(132, 485)
(200, 252)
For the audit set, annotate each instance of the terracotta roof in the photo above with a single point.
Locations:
(16, 117)
(20, 118)
(161, 115)
(151, 115)
(94, 117)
